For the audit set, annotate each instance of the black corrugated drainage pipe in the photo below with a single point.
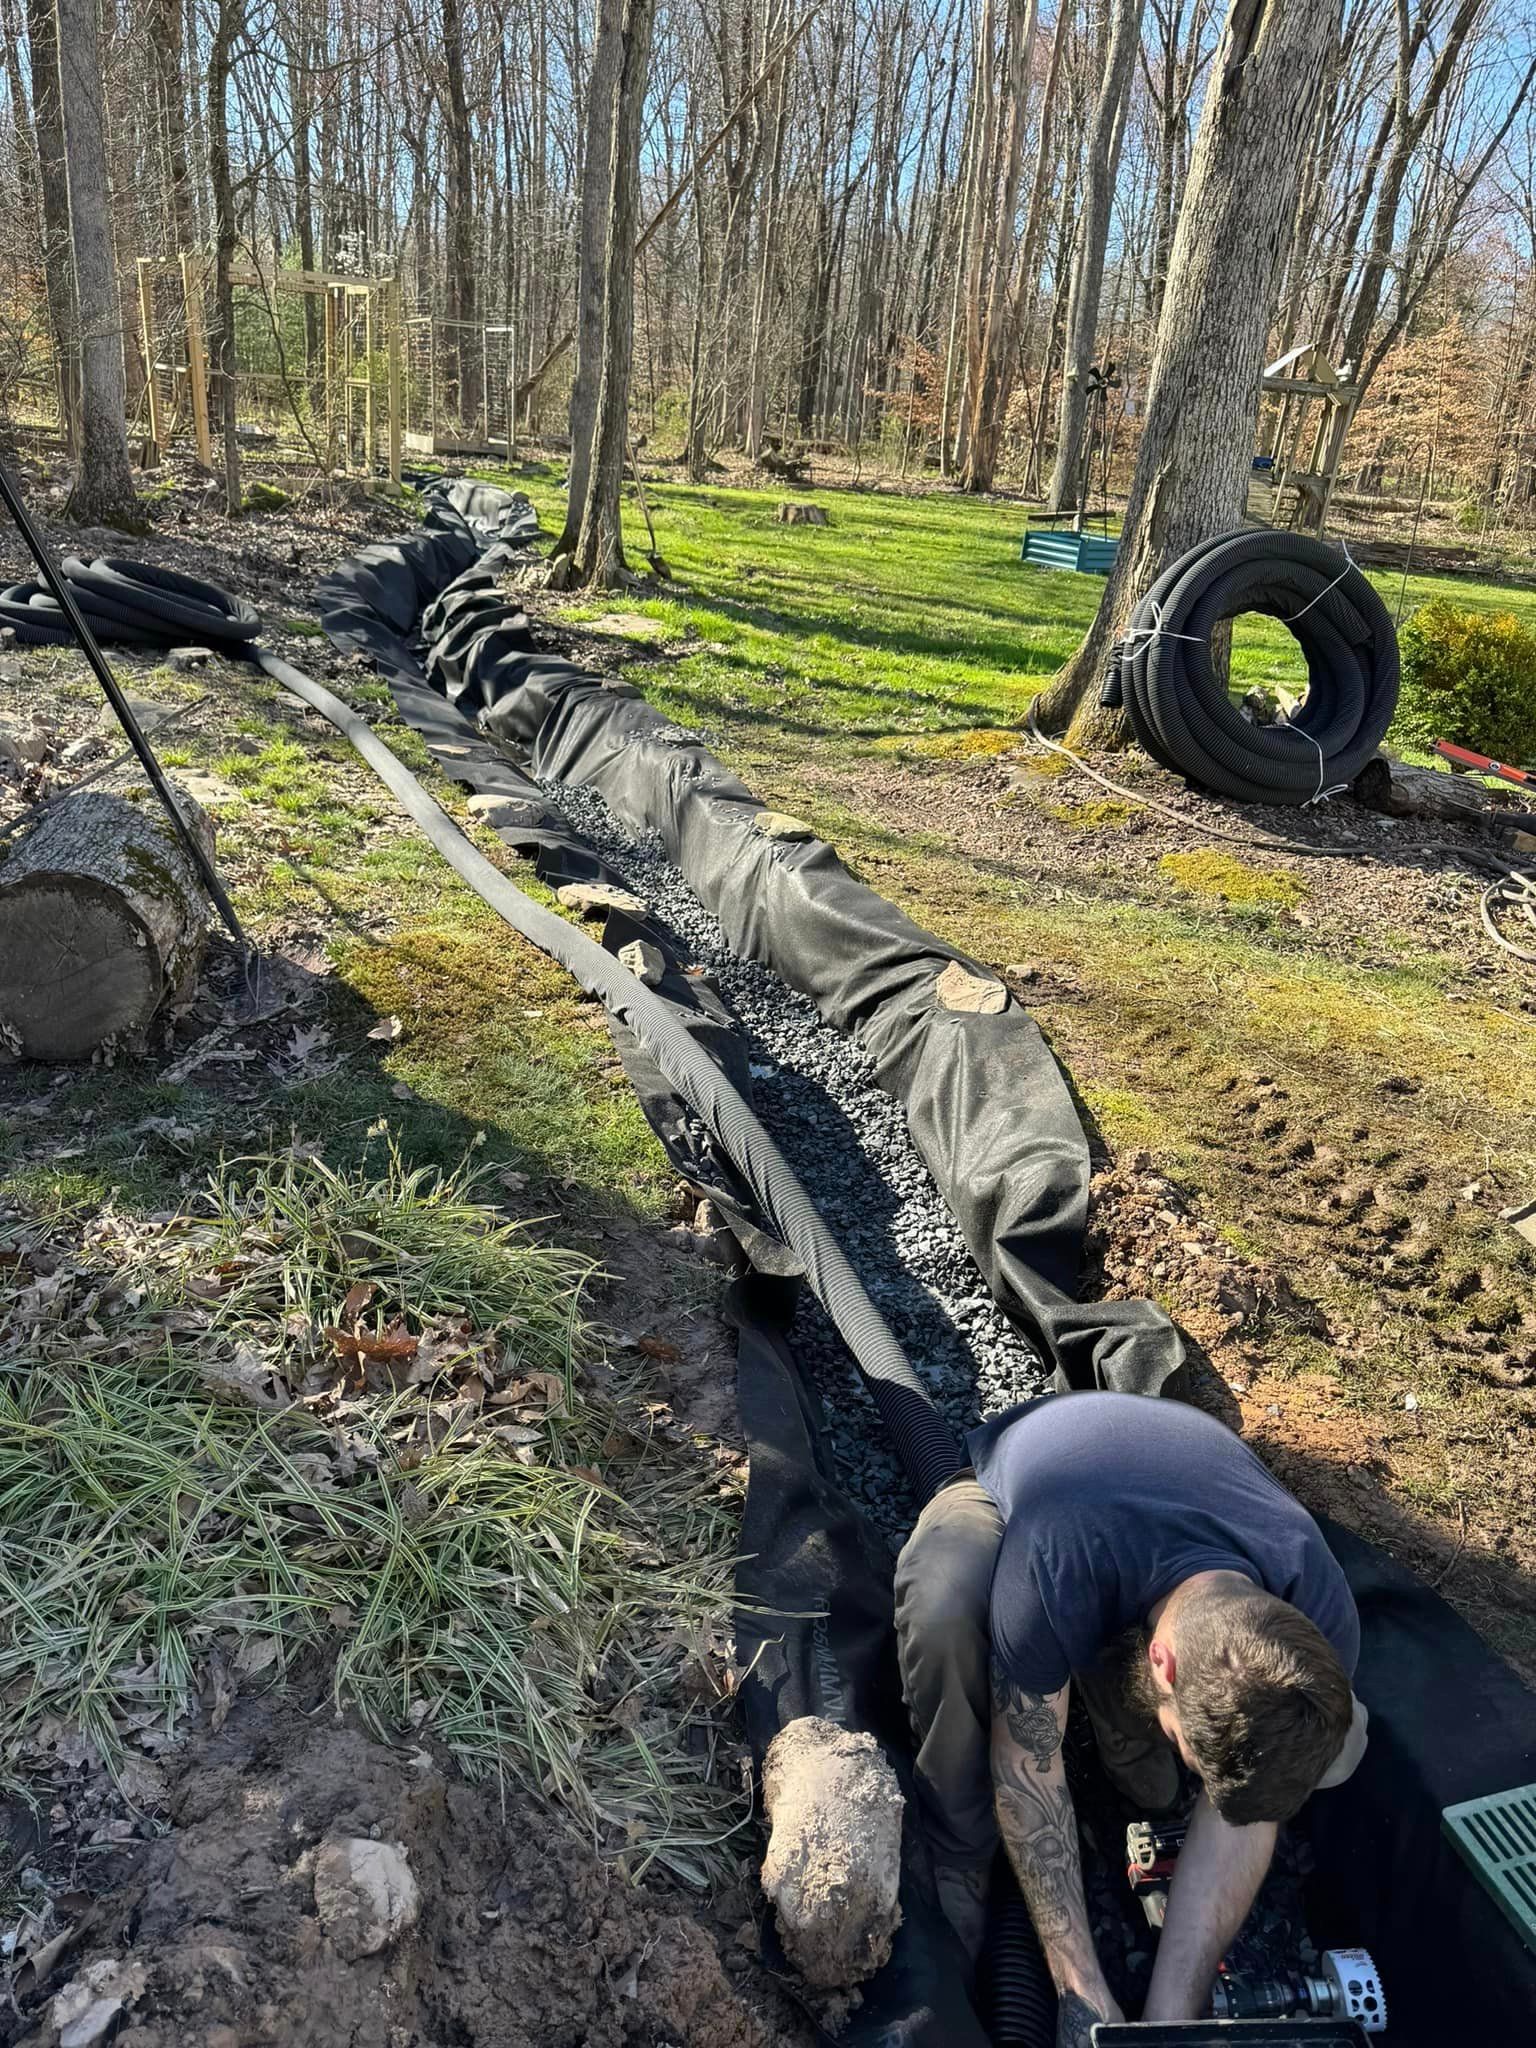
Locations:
(923, 1440)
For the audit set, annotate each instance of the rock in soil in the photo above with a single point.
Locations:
(646, 962)
(833, 1865)
(86, 2010)
(364, 1893)
(596, 899)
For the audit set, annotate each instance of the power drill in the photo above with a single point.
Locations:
(1345, 1985)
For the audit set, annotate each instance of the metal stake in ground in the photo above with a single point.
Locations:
(64, 598)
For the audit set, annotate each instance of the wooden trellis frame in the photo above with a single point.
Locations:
(430, 428)
(359, 312)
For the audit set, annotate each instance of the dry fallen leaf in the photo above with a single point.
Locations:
(222, 1687)
(358, 1296)
(388, 1029)
(248, 1376)
(658, 1348)
(255, 1654)
(305, 1040)
(362, 1345)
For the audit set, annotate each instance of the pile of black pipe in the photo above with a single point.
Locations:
(1175, 691)
(131, 604)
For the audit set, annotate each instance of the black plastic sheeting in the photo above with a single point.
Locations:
(989, 1109)
(992, 1116)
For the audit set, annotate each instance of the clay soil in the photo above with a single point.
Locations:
(524, 1939)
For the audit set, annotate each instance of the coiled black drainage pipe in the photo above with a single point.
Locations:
(1177, 702)
(923, 1440)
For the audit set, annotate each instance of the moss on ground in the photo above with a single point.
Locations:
(980, 743)
(1210, 872)
(1098, 813)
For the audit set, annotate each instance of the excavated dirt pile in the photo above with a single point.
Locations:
(321, 1888)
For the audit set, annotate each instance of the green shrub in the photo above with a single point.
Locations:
(1471, 517)
(1468, 677)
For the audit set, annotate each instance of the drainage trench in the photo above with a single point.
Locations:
(815, 1092)
(824, 1646)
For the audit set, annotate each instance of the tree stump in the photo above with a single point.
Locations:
(800, 515)
(101, 923)
(1404, 792)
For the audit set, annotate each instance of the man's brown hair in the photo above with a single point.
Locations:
(1262, 1701)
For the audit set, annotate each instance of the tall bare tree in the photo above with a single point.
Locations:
(103, 494)
(1224, 271)
(599, 555)
(596, 182)
(228, 22)
(1101, 166)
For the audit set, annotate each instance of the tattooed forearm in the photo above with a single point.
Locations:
(1075, 2022)
(1039, 1827)
(1031, 1722)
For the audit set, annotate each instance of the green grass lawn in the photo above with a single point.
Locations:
(903, 616)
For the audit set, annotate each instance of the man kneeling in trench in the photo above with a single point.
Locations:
(1136, 1550)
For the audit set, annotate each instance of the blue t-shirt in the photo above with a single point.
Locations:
(1110, 1501)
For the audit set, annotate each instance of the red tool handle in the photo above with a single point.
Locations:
(1481, 762)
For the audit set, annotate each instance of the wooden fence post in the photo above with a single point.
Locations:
(147, 329)
(392, 322)
(197, 359)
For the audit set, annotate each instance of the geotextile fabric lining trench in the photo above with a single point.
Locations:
(988, 1108)
(1177, 701)
(992, 1117)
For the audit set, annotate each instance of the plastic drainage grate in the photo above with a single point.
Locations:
(1496, 1838)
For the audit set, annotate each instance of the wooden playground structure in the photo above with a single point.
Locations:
(329, 369)
(1303, 397)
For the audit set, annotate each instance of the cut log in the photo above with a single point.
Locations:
(1404, 792)
(790, 514)
(102, 922)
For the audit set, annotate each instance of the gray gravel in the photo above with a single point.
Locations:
(816, 1094)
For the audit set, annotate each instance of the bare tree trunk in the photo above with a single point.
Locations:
(53, 190)
(596, 178)
(757, 368)
(227, 25)
(1007, 351)
(1203, 395)
(21, 115)
(459, 223)
(988, 318)
(1102, 166)
(103, 494)
(599, 555)
(166, 48)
